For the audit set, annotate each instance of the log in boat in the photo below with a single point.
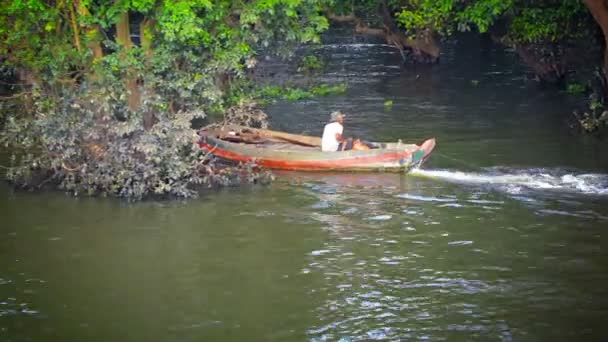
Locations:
(286, 151)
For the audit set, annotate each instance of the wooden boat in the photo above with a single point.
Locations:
(280, 150)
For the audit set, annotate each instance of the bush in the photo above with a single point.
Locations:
(72, 143)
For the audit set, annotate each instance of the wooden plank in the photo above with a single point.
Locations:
(292, 138)
(247, 134)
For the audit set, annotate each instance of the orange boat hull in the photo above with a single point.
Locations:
(379, 159)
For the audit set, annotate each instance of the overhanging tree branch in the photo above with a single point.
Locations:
(422, 46)
(599, 11)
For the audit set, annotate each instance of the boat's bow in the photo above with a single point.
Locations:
(423, 152)
(427, 147)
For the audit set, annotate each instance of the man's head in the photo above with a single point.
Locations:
(337, 116)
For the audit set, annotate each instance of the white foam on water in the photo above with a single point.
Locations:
(514, 180)
(425, 198)
(380, 218)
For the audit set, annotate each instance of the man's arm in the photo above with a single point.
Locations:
(339, 137)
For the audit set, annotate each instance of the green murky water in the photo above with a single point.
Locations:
(500, 237)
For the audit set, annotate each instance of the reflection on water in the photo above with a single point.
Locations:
(410, 258)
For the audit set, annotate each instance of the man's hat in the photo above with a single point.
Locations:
(335, 115)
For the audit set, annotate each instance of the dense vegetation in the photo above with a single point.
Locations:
(557, 39)
(102, 112)
(100, 95)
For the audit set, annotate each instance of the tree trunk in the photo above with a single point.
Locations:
(599, 11)
(423, 47)
(145, 34)
(93, 33)
(123, 33)
(123, 36)
(548, 69)
(75, 27)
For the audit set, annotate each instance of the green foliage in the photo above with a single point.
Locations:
(247, 90)
(527, 21)
(38, 35)
(76, 145)
(310, 64)
(86, 154)
(594, 119)
(418, 15)
(81, 132)
(325, 89)
(292, 21)
(482, 14)
(29, 38)
(575, 88)
(295, 94)
(595, 103)
(549, 21)
(200, 51)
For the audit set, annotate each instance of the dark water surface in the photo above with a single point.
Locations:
(500, 237)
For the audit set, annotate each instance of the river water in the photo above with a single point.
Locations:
(500, 236)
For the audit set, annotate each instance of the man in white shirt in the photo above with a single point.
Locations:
(332, 133)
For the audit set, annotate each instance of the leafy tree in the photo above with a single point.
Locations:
(103, 112)
(537, 29)
(553, 37)
(599, 11)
